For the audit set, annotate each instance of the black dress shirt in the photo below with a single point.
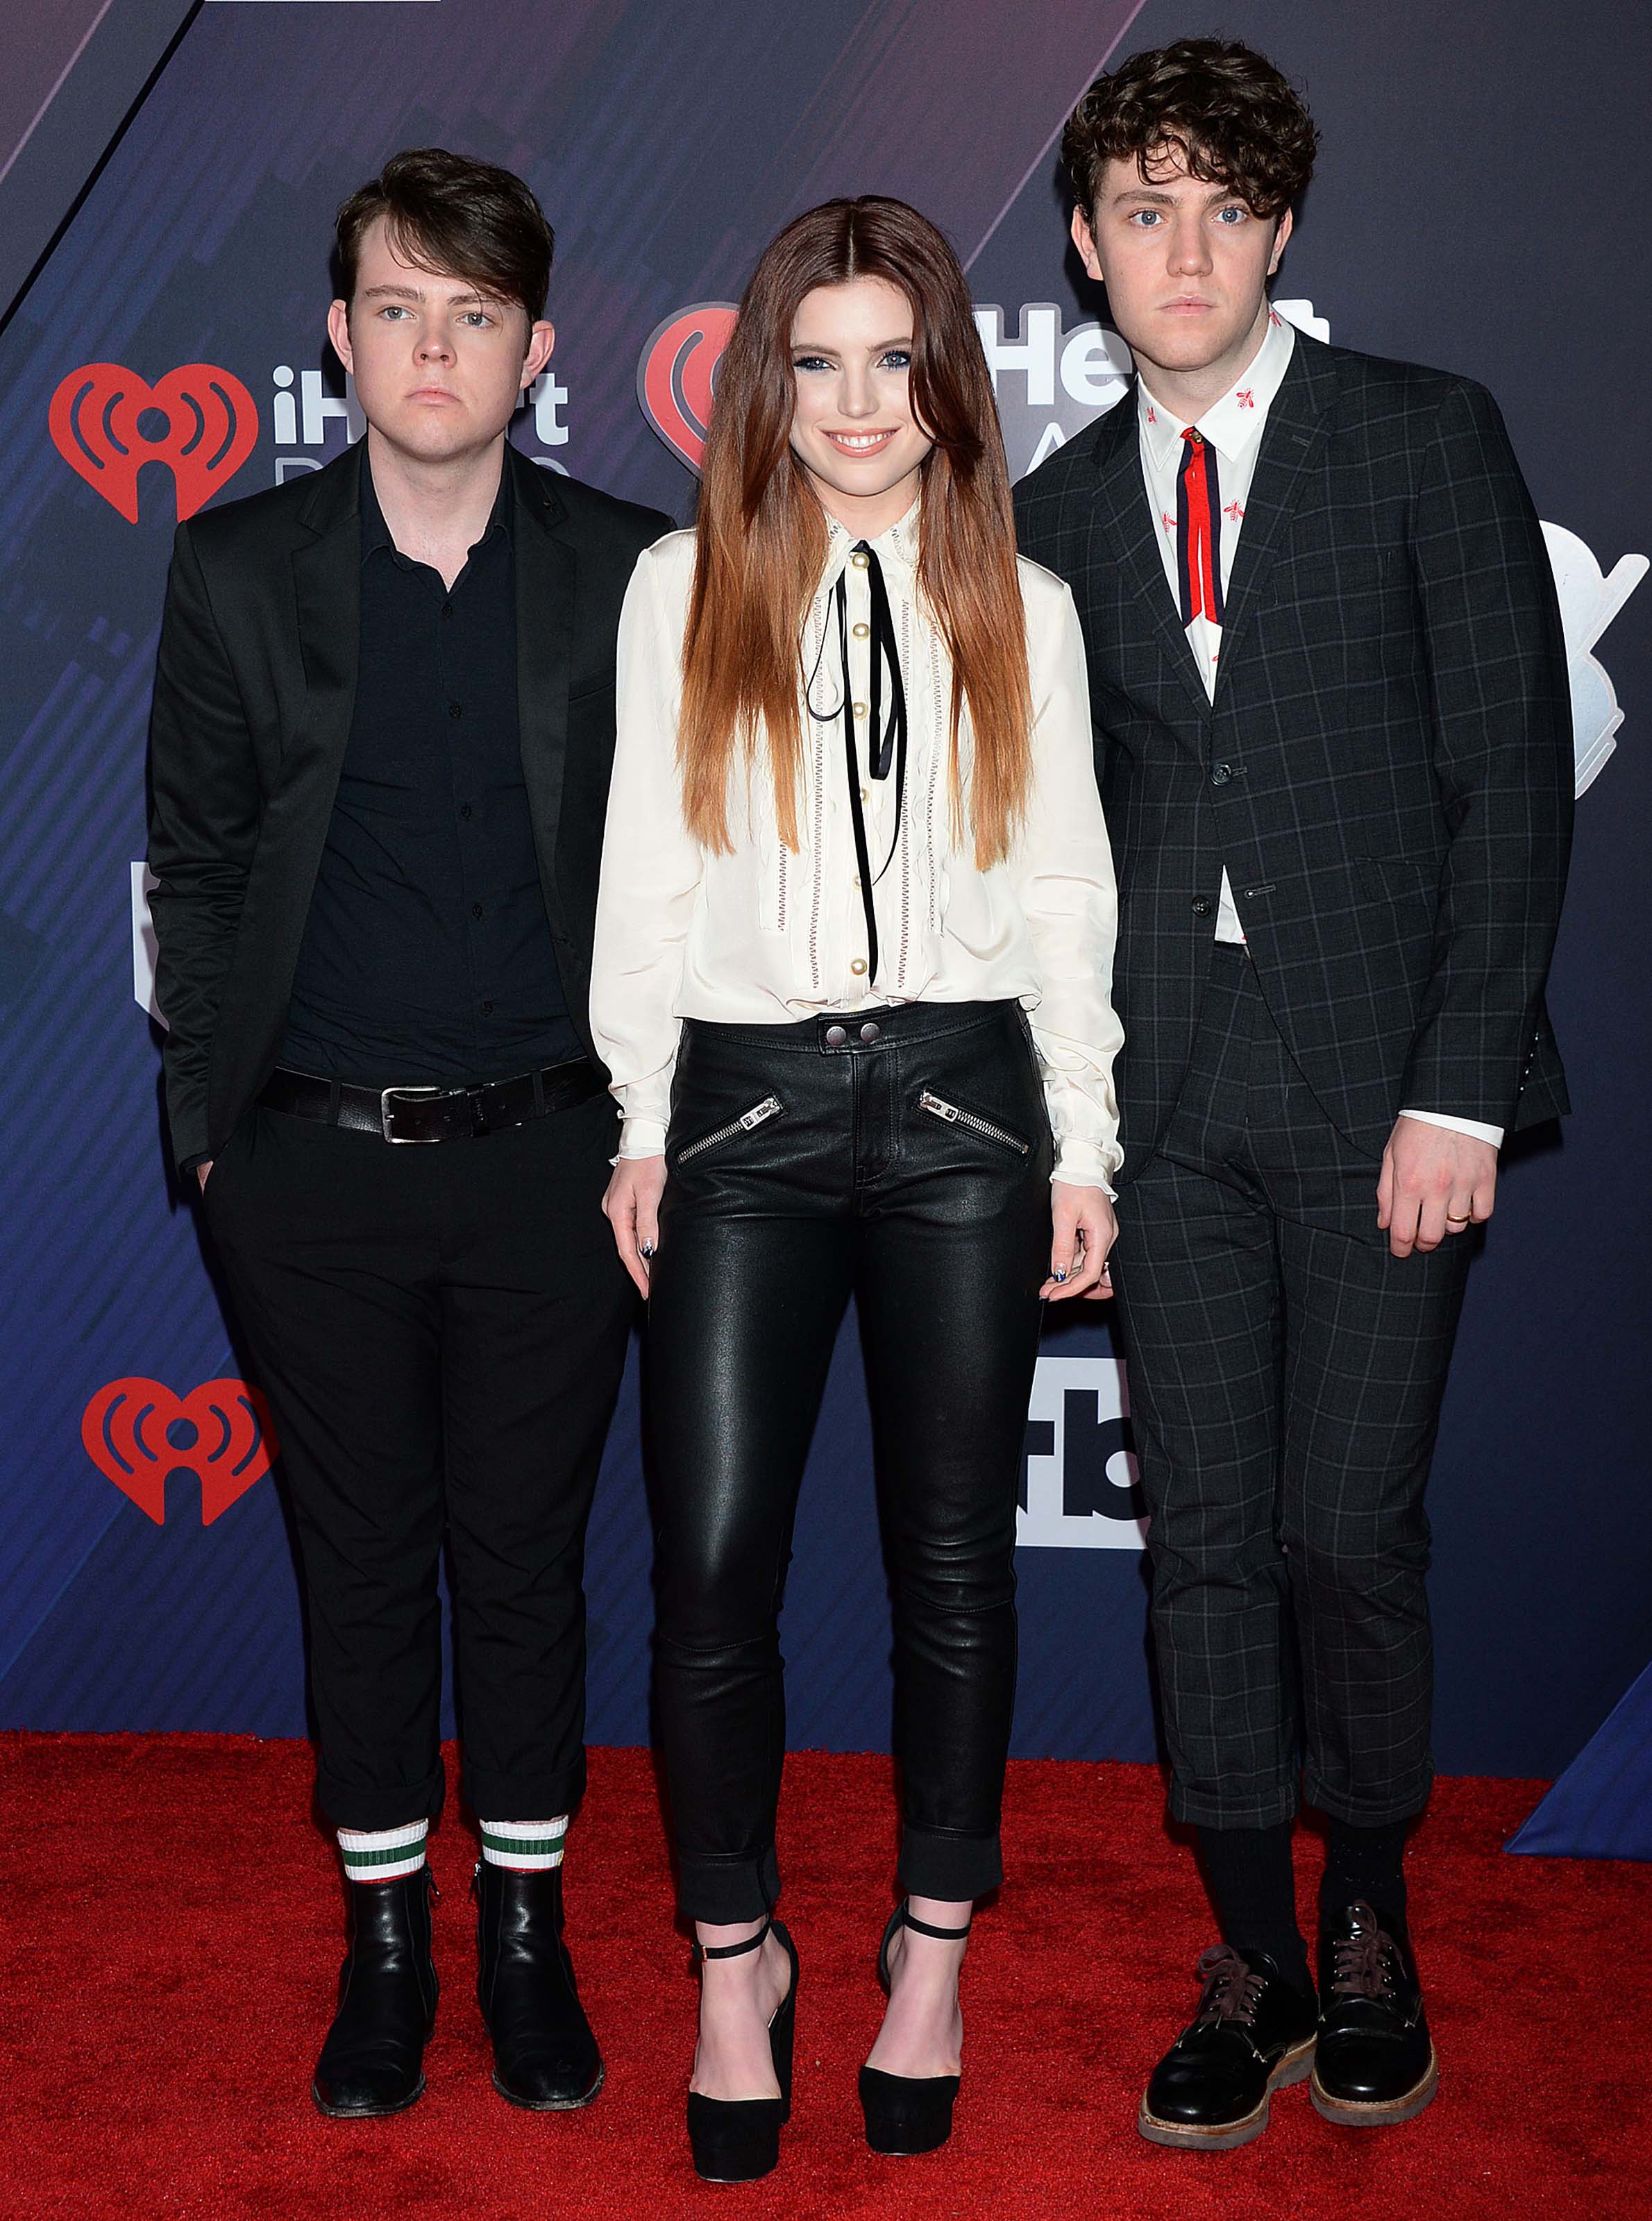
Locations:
(427, 953)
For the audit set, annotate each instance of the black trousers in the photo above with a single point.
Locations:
(1285, 1377)
(805, 1167)
(440, 1332)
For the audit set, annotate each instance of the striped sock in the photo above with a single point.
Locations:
(529, 1846)
(382, 1854)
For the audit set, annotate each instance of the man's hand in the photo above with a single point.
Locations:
(201, 1172)
(631, 1206)
(1084, 1230)
(1434, 1182)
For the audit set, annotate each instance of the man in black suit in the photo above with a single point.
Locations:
(1333, 739)
(384, 723)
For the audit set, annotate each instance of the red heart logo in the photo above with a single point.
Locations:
(136, 1432)
(674, 377)
(211, 429)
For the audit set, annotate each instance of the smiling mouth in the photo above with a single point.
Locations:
(860, 444)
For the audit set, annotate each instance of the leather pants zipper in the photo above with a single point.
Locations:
(955, 1116)
(767, 1108)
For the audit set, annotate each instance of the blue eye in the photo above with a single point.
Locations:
(810, 362)
(896, 358)
(1234, 210)
(1146, 219)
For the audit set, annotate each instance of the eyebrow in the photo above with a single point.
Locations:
(1168, 200)
(417, 293)
(878, 347)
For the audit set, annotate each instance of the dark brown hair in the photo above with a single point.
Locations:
(762, 534)
(1223, 109)
(445, 212)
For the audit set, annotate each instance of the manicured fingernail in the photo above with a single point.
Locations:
(647, 1248)
(1059, 1273)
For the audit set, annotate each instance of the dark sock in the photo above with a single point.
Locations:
(1248, 1873)
(1365, 1862)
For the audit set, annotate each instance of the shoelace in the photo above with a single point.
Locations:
(1231, 1988)
(1365, 1960)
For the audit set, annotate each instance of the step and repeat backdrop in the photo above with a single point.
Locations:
(1476, 170)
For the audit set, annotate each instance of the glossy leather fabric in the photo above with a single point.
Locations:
(939, 1230)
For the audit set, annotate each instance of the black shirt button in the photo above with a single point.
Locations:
(455, 708)
(465, 809)
(476, 909)
(447, 611)
(487, 1010)
(1202, 905)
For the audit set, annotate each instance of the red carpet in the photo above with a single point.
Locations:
(171, 1928)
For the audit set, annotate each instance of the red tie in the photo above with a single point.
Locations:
(1198, 546)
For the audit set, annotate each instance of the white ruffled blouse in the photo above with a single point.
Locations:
(767, 935)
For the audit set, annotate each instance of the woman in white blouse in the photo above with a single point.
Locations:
(854, 945)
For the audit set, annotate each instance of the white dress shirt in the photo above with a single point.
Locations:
(1233, 425)
(766, 934)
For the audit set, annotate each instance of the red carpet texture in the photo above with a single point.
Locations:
(171, 1922)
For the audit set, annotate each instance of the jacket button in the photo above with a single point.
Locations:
(1220, 774)
(1202, 905)
(836, 1035)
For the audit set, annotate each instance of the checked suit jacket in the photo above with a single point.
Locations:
(1385, 770)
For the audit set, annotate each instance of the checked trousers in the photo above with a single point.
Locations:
(1285, 1379)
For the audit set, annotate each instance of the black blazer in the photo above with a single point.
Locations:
(1386, 771)
(254, 691)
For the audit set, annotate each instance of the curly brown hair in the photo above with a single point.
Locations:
(1221, 108)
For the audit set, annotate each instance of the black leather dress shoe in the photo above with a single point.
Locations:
(1254, 2032)
(372, 2060)
(545, 2057)
(1375, 2061)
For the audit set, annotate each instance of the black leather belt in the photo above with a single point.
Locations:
(432, 1114)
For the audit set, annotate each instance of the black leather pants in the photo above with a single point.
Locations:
(902, 1157)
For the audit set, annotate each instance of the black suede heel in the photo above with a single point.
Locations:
(738, 2139)
(907, 2114)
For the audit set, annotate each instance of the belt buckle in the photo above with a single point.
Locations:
(385, 1114)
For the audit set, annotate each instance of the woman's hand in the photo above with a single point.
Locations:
(1085, 1230)
(631, 1206)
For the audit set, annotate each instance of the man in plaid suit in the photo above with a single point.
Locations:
(1333, 738)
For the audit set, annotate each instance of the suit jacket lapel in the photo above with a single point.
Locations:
(545, 573)
(1298, 425)
(327, 579)
(1125, 515)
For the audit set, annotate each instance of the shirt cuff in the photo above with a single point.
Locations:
(1470, 1126)
(641, 1138)
(1085, 1164)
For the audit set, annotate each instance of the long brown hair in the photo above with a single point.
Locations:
(762, 534)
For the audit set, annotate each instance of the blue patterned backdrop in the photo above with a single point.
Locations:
(1461, 218)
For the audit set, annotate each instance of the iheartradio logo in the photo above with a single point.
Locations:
(674, 377)
(136, 1432)
(199, 420)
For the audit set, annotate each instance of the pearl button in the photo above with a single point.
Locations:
(836, 1035)
(860, 708)
(860, 562)
(858, 966)
(864, 796)
(856, 879)
(862, 632)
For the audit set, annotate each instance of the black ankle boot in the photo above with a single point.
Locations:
(372, 2060)
(545, 2057)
